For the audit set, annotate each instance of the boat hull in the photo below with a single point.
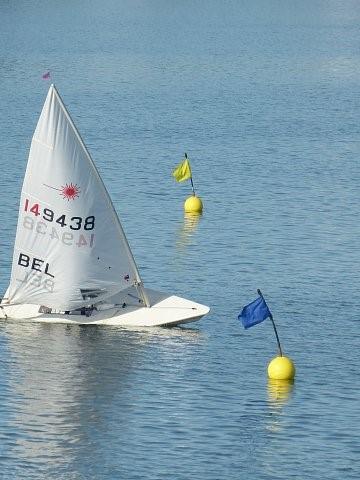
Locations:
(127, 311)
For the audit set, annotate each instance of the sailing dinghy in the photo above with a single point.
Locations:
(72, 262)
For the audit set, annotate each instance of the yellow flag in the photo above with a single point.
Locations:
(183, 171)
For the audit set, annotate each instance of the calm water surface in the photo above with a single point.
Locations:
(264, 97)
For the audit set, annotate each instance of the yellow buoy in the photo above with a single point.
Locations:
(281, 368)
(193, 204)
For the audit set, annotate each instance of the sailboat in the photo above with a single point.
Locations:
(72, 262)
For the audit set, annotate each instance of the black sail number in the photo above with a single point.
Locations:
(89, 223)
(50, 216)
(76, 223)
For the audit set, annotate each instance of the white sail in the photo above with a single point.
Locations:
(70, 249)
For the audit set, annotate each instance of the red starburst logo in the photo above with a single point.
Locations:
(69, 191)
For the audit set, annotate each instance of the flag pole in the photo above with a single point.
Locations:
(273, 323)
(192, 186)
(192, 183)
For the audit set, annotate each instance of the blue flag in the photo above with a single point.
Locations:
(256, 312)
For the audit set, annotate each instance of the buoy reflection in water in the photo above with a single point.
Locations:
(279, 391)
(188, 229)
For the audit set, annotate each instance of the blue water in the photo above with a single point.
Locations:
(264, 98)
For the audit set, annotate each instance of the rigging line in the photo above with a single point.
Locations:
(54, 188)
(123, 309)
(124, 305)
(134, 296)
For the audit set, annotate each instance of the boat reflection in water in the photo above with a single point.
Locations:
(67, 385)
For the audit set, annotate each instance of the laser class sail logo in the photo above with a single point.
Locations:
(69, 191)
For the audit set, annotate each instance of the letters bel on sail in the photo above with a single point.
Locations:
(70, 246)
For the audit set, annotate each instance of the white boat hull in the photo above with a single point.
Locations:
(126, 311)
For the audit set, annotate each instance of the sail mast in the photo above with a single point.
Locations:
(139, 284)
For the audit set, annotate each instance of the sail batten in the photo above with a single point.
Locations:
(69, 239)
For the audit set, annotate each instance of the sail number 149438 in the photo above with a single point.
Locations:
(74, 223)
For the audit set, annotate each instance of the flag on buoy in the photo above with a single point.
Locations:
(183, 170)
(254, 313)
